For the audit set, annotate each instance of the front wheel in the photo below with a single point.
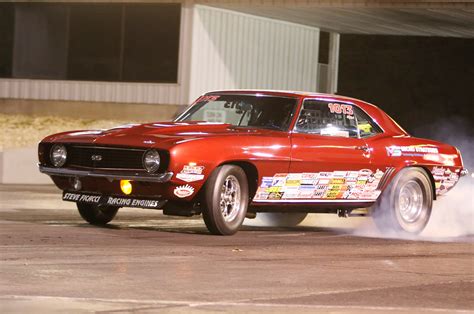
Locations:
(97, 214)
(405, 205)
(226, 198)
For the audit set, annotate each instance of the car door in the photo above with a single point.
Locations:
(329, 159)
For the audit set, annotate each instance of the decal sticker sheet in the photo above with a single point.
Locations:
(346, 185)
(444, 179)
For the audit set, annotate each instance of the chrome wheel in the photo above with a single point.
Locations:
(225, 200)
(410, 201)
(405, 204)
(230, 198)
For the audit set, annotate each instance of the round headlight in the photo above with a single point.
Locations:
(58, 155)
(151, 160)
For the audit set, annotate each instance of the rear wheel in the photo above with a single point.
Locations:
(281, 219)
(97, 214)
(405, 205)
(226, 199)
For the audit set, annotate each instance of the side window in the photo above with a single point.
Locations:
(366, 126)
(327, 118)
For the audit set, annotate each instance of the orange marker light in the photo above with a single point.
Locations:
(126, 186)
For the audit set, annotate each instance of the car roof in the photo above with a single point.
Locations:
(382, 118)
(270, 92)
(289, 93)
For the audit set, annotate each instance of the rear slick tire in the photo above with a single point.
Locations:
(225, 200)
(405, 205)
(98, 215)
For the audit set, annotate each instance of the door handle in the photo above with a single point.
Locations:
(364, 148)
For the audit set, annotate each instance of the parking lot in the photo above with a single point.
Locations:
(143, 262)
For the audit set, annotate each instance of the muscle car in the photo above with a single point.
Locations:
(235, 153)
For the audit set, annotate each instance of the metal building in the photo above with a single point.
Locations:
(152, 57)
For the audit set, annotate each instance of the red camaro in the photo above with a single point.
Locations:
(233, 154)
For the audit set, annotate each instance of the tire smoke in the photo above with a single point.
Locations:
(452, 217)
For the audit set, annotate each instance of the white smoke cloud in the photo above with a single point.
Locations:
(452, 218)
(453, 213)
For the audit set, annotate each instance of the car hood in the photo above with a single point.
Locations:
(158, 134)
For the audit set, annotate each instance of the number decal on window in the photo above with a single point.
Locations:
(338, 108)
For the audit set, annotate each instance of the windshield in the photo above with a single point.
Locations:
(268, 112)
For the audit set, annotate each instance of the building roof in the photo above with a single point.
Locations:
(376, 17)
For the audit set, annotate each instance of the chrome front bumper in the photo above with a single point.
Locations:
(111, 175)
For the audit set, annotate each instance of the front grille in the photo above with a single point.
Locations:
(104, 157)
(80, 156)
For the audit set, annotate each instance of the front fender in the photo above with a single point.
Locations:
(192, 162)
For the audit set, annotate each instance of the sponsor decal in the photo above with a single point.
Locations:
(319, 193)
(352, 185)
(266, 182)
(275, 195)
(192, 169)
(331, 194)
(410, 151)
(189, 177)
(191, 173)
(292, 182)
(111, 200)
(279, 179)
(183, 191)
(339, 174)
(274, 189)
(325, 174)
(83, 198)
(207, 98)
(309, 179)
(338, 181)
(324, 181)
(445, 179)
(261, 193)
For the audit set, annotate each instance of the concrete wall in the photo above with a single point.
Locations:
(236, 50)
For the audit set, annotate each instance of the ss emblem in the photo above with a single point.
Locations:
(96, 157)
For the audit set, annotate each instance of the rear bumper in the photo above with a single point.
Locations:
(111, 174)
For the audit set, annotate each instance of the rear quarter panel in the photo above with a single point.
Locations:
(441, 161)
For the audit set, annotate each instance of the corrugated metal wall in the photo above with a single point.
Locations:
(235, 50)
(147, 93)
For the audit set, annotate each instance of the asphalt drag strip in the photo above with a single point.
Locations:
(52, 261)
